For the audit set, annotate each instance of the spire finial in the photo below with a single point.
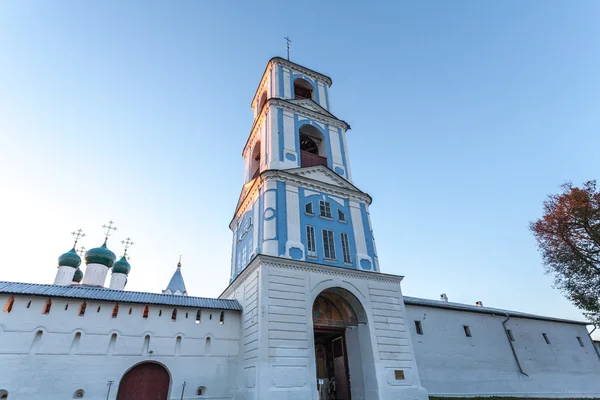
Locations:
(81, 251)
(127, 243)
(179, 263)
(78, 234)
(108, 230)
(288, 41)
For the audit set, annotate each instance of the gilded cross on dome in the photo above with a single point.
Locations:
(127, 243)
(108, 230)
(78, 234)
(81, 251)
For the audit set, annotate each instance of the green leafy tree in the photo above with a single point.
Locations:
(568, 237)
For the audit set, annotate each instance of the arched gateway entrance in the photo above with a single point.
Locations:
(145, 381)
(343, 353)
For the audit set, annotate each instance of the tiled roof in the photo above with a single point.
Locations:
(486, 310)
(97, 293)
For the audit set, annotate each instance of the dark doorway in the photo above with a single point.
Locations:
(146, 381)
(332, 364)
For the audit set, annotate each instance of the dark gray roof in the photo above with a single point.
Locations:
(98, 293)
(176, 283)
(485, 310)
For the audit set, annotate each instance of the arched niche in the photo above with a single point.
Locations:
(313, 147)
(343, 349)
(146, 380)
(303, 89)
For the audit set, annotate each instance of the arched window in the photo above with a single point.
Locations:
(222, 318)
(82, 309)
(312, 146)
(262, 102)
(9, 304)
(79, 393)
(115, 310)
(201, 391)
(47, 307)
(303, 89)
(146, 311)
(198, 314)
(174, 315)
(207, 347)
(255, 161)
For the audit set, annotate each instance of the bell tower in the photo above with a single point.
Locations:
(316, 308)
(298, 200)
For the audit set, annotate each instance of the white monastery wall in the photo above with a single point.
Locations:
(452, 364)
(50, 356)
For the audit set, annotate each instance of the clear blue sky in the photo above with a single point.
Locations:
(464, 116)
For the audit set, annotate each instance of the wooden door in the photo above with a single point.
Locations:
(342, 385)
(147, 381)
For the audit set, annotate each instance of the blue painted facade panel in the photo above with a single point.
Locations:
(321, 223)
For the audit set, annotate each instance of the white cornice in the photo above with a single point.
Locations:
(299, 180)
(284, 176)
(303, 70)
(270, 261)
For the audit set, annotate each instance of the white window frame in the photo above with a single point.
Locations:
(325, 209)
(345, 248)
(308, 206)
(329, 250)
(311, 245)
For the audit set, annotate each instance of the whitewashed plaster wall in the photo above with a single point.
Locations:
(452, 364)
(79, 352)
(278, 295)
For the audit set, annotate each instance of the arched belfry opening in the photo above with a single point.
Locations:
(262, 102)
(303, 89)
(313, 149)
(147, 380)
(255, 161)
(344, 361)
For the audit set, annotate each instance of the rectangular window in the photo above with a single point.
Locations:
(345, 248)
(311, 245)
(341, 216)
(546, 338)
(510, 335)
(328, 245)
(467, 330)
(580, 341)
(419, 327)
(325, 208)
(308, 208)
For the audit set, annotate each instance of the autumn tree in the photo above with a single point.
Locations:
(568, 237)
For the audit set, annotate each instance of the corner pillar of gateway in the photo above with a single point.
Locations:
(305, 325)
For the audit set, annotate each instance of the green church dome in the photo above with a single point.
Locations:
(121, 266)
(69, 259)
(78, 276)
(100, 255)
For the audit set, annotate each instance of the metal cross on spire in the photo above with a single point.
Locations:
(108, 230)
(78, 234)
(81, 251)
(127, 243)
(288, 41)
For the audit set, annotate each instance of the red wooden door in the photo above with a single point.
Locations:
(147, 381)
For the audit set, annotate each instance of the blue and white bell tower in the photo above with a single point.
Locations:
(298, 200)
